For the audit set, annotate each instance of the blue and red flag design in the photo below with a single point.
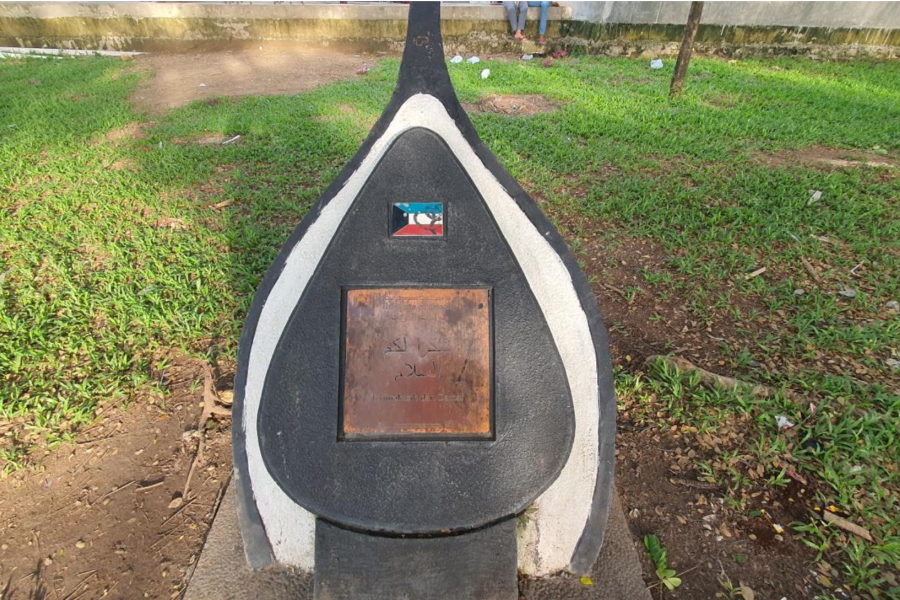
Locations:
(417, 219)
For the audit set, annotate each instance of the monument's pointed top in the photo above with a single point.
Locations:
(423, 70)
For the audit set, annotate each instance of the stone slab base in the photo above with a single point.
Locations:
(222, 572)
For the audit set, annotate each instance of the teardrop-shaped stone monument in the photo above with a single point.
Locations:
(424, 400)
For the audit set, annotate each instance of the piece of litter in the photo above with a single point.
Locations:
(778, 528)
(799, 292)
(847, 293)
(856, 468)
(846, 525)
(456, 59)
(202, 85)
(892, 305)
(816, 196)
(485, 74)
(362, 70)
(527, 56)
(853, 270)
(234, 139)
(783, 422)
(893, 363)
(587, 581)
(656, 63)
(473, 60)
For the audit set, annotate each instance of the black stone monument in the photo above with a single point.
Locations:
(424, 393)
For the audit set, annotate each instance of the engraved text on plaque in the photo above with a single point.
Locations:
(417, 362)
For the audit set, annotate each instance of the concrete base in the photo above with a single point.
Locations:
(223, 574)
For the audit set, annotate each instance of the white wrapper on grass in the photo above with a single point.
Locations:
(784, 422)
(485, 74)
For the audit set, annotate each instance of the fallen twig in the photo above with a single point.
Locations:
(150, 486)
(209, 409)
(693, 483)
(72, 595)
(827, 240)
(218, 501)
(178, 512)
(615, 289)
(710, 378)
(682, 574)
(810, 269)
(846, 525)
(108, 494)
(755, 273)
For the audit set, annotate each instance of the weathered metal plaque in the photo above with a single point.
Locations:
(417, 362)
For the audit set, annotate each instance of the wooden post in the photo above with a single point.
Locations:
(687, 47)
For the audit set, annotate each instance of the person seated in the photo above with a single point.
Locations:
(517, 21)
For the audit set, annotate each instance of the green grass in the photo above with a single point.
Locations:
(113, 256)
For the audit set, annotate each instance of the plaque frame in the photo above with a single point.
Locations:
(417, 437)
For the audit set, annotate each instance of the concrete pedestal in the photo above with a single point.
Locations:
(222, 572)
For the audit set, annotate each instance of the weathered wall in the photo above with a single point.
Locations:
(192, 26)
(817, 29)
(839, 15)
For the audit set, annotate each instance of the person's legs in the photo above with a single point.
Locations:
(545, 9)
(511, 13)
(523, 12)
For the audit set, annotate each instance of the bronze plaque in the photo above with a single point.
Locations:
(417, 362)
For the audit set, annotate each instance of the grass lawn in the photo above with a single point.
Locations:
(127, 237)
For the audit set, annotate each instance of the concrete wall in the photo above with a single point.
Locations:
(854, 15)
(819, 29)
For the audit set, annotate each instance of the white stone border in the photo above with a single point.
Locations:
(556, 520)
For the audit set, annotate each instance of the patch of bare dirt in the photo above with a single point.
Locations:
(712, 545)
(641, 321)
(271, 69)
(132, 131)
(722, 100)
(109, 516)
(514, 104)
(827, 158)
(124, 164)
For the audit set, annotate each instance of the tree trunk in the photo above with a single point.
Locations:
(687, 47)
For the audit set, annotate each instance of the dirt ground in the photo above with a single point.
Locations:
(110, 516)
(513, 105)
(267, 69)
